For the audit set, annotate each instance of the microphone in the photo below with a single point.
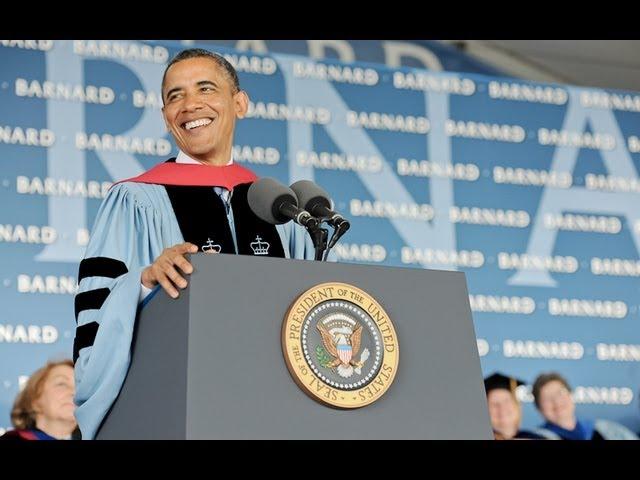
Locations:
(316, 201)
(276, 204)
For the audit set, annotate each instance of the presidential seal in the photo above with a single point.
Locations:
(340, 345)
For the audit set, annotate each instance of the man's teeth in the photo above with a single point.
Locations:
(197, 123)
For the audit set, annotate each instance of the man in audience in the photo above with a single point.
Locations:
(552, 396)
(504, 408)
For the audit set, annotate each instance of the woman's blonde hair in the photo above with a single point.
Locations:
(22, 414)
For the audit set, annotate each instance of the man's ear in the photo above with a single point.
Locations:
(241, 103)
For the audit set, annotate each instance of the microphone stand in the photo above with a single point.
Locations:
(319, 237)
(338, 230)
(312, 224)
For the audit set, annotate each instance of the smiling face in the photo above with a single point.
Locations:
(201, 107)
(504, 412)
(556, 404)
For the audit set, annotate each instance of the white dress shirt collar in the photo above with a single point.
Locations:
(184, 158)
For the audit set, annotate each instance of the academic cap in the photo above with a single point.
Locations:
(498, 380)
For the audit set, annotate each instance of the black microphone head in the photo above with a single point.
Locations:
(310, 195)
(265, 197)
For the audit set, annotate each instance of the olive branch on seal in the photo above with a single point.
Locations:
(323, 357)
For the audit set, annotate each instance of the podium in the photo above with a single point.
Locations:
(210, 364)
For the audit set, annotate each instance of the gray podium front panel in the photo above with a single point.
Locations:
(223, 337)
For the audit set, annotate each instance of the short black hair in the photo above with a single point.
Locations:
(542, 380)
(198, 53)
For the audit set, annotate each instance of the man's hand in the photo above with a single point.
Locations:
(163, 270)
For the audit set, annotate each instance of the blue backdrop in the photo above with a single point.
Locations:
(531, 189)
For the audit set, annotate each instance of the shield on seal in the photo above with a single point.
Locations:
(344, 352)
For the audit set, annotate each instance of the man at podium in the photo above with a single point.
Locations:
(193, 203)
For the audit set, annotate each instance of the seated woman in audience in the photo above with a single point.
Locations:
(552, 396)
(504, 408)
(44, 409)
